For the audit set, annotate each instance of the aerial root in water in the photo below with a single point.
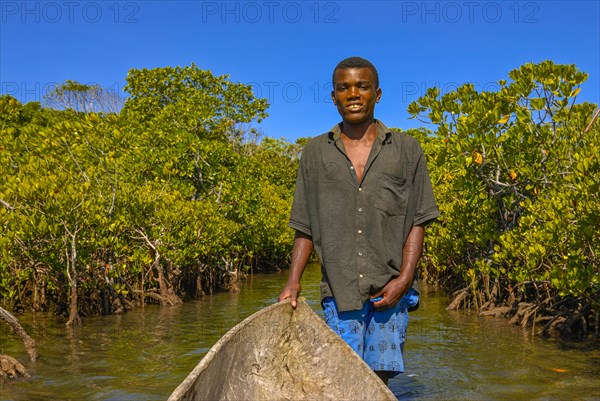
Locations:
(458, 299)
(568, 316)
(497, 311)
(11, 368)
(16, 327)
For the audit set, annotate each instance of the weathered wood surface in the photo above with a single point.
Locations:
(281, 354)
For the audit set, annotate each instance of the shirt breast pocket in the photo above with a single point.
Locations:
(392, 195)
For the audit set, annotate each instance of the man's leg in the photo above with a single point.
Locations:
(384, 340)
(350, 326)
(383, 375)
(378, 337)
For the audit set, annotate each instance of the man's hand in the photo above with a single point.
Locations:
(392, 293)
(397, 287)
(291, 291)
(303, 246)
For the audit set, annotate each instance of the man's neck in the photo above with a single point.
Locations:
(366, 131)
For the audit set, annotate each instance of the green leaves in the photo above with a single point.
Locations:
(192, 100)
(538, 103)
(517, 182)
(174, 183)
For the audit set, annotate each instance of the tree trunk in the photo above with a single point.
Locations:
(167, 295)
(35, 303)
(162, 285)
(166, 292)
(74, 319)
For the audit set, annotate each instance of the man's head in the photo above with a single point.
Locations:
(356, 62)
(356, 91)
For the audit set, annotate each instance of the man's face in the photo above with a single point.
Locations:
(354, 93)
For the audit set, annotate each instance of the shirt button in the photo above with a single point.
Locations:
(360, 189)
(351, 167)
(360, 209)
(359, 253)
(360, 231)
(360, 275)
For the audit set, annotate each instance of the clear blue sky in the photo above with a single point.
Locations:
(287, 49)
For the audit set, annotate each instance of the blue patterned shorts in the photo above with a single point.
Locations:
(377, 336)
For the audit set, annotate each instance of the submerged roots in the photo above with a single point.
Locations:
(11, 368)
(544, 313)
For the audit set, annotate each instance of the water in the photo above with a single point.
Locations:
(462, 356)
(146, 353)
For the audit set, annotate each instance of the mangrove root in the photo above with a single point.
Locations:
(544, 311)
(121, 305)
(458, 300)
(498, 311)
(15, 326)
(11, 368)
(558, 319)
(523, 307)
(163, 300)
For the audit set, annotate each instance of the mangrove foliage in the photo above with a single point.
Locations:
(171, 194)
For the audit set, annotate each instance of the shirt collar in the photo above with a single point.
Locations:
(383, 132)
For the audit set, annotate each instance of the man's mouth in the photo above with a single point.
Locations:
(354, 107)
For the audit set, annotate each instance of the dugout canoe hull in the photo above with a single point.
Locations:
(281, 354)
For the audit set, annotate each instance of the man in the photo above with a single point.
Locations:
(363, 197)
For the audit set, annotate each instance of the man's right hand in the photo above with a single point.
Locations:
(291, 291)
(303, 246)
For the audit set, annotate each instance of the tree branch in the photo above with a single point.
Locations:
(6, 205)
(14, 324)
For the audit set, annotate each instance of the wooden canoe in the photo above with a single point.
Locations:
(281, 354)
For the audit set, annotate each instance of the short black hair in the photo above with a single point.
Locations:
(356, 62)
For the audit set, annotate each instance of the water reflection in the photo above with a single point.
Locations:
(146, 353)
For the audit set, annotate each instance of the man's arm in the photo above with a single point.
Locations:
(303, 246)
(396, 288)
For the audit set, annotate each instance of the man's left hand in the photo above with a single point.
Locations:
(392, 293)
(397, 287)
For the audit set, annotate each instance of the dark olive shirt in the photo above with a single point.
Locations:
(359, 228)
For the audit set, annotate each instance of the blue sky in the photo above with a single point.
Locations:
(287, 49)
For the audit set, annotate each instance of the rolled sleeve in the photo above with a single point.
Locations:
(427, 210)
(300, 217)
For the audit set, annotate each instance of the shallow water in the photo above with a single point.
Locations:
(146, 353)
